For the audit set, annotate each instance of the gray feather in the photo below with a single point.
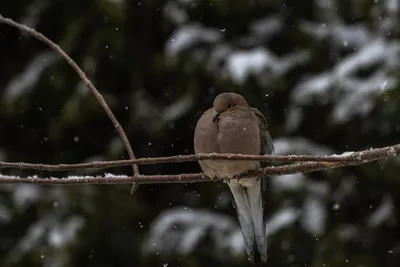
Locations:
(257, 210)
(243, 209)
(257, 200)
(249, 205)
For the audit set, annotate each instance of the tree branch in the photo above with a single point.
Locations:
(355, 158)
(308, 163)
(85, 80)
(304, 167)
(347, 158)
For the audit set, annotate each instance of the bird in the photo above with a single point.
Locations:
(232, 126)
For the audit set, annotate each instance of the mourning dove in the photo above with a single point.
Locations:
(232, 126)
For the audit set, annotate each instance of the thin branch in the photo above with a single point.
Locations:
(319, 162)
(304, 167)
(347, 158)
(85, 80)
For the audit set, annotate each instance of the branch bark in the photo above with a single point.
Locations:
(347, 158)
(303, 167)
(99, 97)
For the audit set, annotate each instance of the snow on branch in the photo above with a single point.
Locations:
(347, 158)
(305, 166)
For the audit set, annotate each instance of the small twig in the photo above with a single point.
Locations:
(347, 158)
(85, 80)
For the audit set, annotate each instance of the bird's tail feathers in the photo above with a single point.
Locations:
(249, 206)
(254, 195)
(242, 205)
(258, 262)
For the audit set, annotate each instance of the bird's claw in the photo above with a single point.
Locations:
(238, 177)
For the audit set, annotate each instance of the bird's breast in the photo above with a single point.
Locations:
(235, 132)
(239, 133)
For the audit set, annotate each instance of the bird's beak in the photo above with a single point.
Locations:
(216, 116)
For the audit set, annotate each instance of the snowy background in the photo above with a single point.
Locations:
(324, 72)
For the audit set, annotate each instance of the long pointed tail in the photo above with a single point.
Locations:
(249, 206)
(242, 205)
(258, 262)
(254, 195)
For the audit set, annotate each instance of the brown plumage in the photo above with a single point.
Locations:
(232, 126)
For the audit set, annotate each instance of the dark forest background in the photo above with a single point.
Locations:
(324, 72)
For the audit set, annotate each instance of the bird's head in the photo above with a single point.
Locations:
(226, 101)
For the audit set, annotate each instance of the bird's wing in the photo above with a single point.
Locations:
(267, 146)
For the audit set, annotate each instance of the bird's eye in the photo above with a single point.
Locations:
(229, 105)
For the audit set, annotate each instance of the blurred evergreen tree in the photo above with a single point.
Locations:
(324, 72)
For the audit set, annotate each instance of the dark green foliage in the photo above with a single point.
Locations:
(158, 90)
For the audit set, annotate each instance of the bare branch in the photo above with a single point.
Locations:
(85, 80)
(304, 167)
(348, 158)
(308, 163)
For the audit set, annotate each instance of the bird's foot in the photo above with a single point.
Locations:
(238, 177)
(243, 178)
